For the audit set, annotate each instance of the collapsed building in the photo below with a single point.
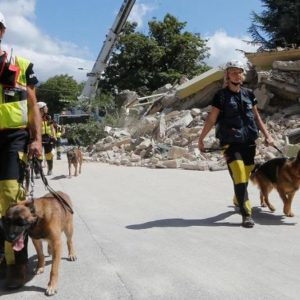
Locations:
(162, 130)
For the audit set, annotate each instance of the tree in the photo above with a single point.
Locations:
(145, 63)
(59, 92)
(277, 25)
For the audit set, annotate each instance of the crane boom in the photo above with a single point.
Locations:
(91, 85)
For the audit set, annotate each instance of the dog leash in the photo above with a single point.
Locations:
(282, 154)
(61, 200)
(31, 180)
(209, 150)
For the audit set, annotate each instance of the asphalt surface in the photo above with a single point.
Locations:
(168, 234)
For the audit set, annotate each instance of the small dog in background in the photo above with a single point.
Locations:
(74, 158)
(283, 174)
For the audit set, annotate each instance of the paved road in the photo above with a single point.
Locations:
(146, 234)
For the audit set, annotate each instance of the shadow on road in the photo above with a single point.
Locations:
(59, 177)
(259, 216)
(177, 222)
(268, 218)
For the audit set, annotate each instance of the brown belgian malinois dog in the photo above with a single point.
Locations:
(283, 174)
(42, 218)
(74, 157)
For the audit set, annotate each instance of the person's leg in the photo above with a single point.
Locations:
(240, 167)
(49, 158)
(237, 171)
(12, 191)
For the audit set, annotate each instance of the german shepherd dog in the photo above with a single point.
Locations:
(42, 218)
(283, 174)
(74, 158)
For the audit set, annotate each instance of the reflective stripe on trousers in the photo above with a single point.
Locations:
(240, 162)
(11, 191)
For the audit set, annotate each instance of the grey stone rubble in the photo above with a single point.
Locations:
(175, 145)
(168, 138)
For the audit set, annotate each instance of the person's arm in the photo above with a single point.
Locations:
(209, 123)
(35, 121)
(262, 127)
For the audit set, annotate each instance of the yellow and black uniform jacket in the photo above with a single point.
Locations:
(15, 74)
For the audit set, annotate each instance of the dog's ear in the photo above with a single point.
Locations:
(30, 205)
(25, 202)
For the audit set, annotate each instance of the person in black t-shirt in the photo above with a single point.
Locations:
(237, 121)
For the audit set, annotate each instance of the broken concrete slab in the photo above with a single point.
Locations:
(264, 60)
(199, 83)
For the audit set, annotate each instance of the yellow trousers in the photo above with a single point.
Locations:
(11, 191)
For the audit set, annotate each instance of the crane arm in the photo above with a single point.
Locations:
(91, 85)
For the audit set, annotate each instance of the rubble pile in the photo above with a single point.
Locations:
(162, 131)
(280, 85)
(171, 141)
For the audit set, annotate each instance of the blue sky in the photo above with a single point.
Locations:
(61, 35)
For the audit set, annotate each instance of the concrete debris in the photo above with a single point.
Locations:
(176, 145)
(281, 83)
(264, 60)
(163, 131)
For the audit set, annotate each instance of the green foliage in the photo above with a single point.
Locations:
(59, 92)
(84, 134)
(104, 103)
(144, 63)
(277, 25)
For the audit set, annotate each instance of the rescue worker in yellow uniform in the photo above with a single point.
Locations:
(20, 138)
(48, 136)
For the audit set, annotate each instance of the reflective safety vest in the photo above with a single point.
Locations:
(46, 128)
(13, 100)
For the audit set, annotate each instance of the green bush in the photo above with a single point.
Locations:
(84, 134)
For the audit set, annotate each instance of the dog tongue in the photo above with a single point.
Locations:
(19, 244)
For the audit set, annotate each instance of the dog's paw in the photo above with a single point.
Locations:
(288, 211)
(289, 214)
(272, 208)
(39, 270)
(72, 257)
(51, 291)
